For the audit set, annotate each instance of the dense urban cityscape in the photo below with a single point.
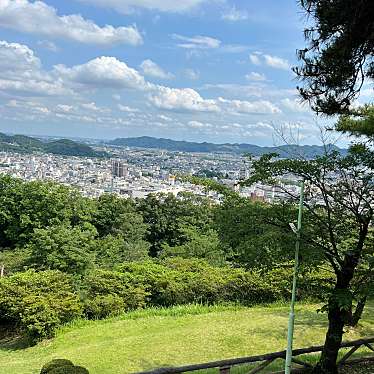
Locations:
(136, 173)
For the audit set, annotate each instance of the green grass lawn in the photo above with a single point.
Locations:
(177, 336)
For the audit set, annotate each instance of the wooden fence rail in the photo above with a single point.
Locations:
(265, 360)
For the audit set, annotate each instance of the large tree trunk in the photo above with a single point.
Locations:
(334, 336)
(338, 317)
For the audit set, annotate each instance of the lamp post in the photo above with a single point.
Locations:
(291, 321)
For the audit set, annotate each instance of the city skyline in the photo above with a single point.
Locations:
(198, 70)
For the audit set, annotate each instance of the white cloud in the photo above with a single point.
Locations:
(105, 72)
(255, 59)
(258, 58)
(129, 6)
(257, 77)
(249, 107)
(185, 99)
(235, 15)
(94, 108)
(127, 109)
(64, 108)
(295, 105)
(21, 73)
(17, 57)
(199, 125)
(40, 18)
(197, 42)
(151, 69)
(276, 62)
(164, 118)
(192, 74)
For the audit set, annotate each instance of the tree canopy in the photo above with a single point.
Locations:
(338, 58)
(339, 206)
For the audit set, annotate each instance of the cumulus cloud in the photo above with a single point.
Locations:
(255, 58)
(42, 19)
(185, 99)
(129, 6)
(103, 71)
(276, 62)
(258, 58)
(151, 69)
(249, 107)
(21, 73)
(17, 57)
(197, 42)
(235, 15)
(257, 77)
(295, 105)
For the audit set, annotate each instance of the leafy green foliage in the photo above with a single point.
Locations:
(26, 206)
(181, 281)
(118, 216)
(110, 293)
(114, 250)
(64, 248)
(38, 302)
(203, 245)
(167, 215)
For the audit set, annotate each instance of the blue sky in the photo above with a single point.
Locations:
(200, 70)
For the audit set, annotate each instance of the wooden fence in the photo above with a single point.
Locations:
(265, 360)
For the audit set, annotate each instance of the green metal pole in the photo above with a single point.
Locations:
(291, 321)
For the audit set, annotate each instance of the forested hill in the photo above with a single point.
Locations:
(66, 147)
(308, 151)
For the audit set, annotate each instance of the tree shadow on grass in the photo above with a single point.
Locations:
(11, 339)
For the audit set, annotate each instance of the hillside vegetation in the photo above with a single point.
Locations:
(65, 147)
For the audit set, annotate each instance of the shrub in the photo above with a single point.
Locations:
(182, 281)
(61, 366)
(55, 364)
(109, 293)
(312, 284)
(38, 302)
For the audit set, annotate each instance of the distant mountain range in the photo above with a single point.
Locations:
(65, 147)
(290, 151)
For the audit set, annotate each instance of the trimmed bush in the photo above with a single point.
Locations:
(56, 363)
(38, 302)
(69, 370)
(62, 366)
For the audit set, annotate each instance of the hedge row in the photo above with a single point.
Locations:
(39, 302)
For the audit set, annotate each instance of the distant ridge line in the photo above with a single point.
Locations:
(308, 151)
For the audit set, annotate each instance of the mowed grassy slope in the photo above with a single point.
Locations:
(181, 335)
